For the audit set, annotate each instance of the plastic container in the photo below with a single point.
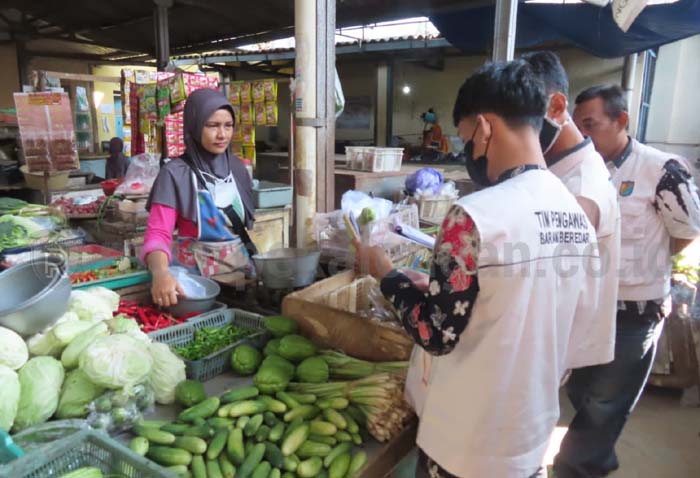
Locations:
(248, 166)
(116, 282)
(373, 159)
(433, 209)
(95, 250)
(268, 195)
(56, 180)
(83, 449)
(220, 361)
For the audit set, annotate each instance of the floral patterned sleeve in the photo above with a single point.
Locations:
(436, 319)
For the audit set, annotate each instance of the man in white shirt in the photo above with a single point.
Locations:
(660, 214)
(508, 272)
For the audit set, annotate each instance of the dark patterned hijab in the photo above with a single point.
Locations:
(174, 186)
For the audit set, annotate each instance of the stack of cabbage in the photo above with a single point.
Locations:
(87, 352)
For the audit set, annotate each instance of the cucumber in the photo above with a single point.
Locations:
(139, 445)
(292, 426)
(175, 428)
(287, 399)
(204, 409)
(270, 419)
(247, 407)
(235, 448)
(248, 446)
(213, 469)
(168, 456)
(306, 412)
(295, 439)
(343, 436)
(352, 427)
(340, 466)
(357, 415)
(336, 403)
(336, 452)
(275, 473)
(153, 435)
(217, 445)
(84, 472)
(153, 423)
(356, 439)
(218, 422)
(262, 434)
(290, 463)
(242, 421)
(310, 448)
(227, 468)
(274, 455)
(303, 398)
(356, 464)
(323, 439)
(275, 406)
(289, 474)
(310, 468)
(322, 474)
(262, 470)
(204, 431)
(336, 418)
(199, 421)
(194, 445)
(318, 427)
(252, 460)
(251, 428)
(224, 410)
(179, 470)
(199, 469)
(238, 394)
(276, 432)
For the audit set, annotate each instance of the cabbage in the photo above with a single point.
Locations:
(116, 361)
(71, 354)
(13, 350)
(108, 296)
(77, 393)
(168, 371)
(91, 307)
(9, 397)
(122, 324)
(57, 337)
(40, 386)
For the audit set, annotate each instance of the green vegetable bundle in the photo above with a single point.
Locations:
(212, 339)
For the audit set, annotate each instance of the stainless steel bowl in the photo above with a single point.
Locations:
(35, 294)
(186, 305)
(287, 268)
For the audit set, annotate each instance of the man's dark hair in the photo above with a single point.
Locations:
(508, 89)
(614, 102)
(549, 69)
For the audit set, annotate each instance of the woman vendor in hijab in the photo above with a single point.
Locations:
(207, 195)
(117, 163)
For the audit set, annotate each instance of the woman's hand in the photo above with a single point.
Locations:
(372, 260)
(165, 289)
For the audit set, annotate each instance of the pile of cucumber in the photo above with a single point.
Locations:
(244, 434)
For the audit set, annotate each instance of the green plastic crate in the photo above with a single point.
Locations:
(87, 448)
(218, 362)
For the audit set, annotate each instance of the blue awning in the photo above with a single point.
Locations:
(586, 26)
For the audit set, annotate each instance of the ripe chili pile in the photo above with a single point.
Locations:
(150, 318)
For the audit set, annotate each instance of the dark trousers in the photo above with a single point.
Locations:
(605, 395)
(427, 468)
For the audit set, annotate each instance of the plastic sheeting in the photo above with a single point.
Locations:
(586, 26)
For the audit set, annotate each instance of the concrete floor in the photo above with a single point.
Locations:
(661, 440)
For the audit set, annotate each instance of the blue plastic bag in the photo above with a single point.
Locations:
(425, 180)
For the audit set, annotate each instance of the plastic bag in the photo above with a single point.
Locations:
(424, 180)
(192, 288)
(140, 176)
(357, 201)
(118, 411)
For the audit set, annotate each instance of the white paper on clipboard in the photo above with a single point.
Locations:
(413, 234)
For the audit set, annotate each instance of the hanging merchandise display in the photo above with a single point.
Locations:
(254, 104)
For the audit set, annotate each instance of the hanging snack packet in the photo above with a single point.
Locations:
(235, 92)
(258, 91)
(260, 114)
(271, 114)
(246, 113)
(163, 99)
(249, 153)
(270, 87)
(237, 149)
(246, 94)
(178, 93)
(237, 133)
(248, 134)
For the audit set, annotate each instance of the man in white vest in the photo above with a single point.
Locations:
(508, 272)
(660, 211)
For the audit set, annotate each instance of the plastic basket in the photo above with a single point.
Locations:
(218, 362)
(334, 243)
(87, 448)
(78, 239)
(433, 209)
(372, 159)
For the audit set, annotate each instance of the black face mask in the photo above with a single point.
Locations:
(477, 168)
(549, 134)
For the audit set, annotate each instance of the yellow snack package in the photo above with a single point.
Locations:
(234, 95)
(270, 88)
(248, 134)
(246, 94)
(237, 133)
(247, 113)
(249, 153)
(258, 91)
(237, 149)
(271, 114)
(260, 114)
(237, 113)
